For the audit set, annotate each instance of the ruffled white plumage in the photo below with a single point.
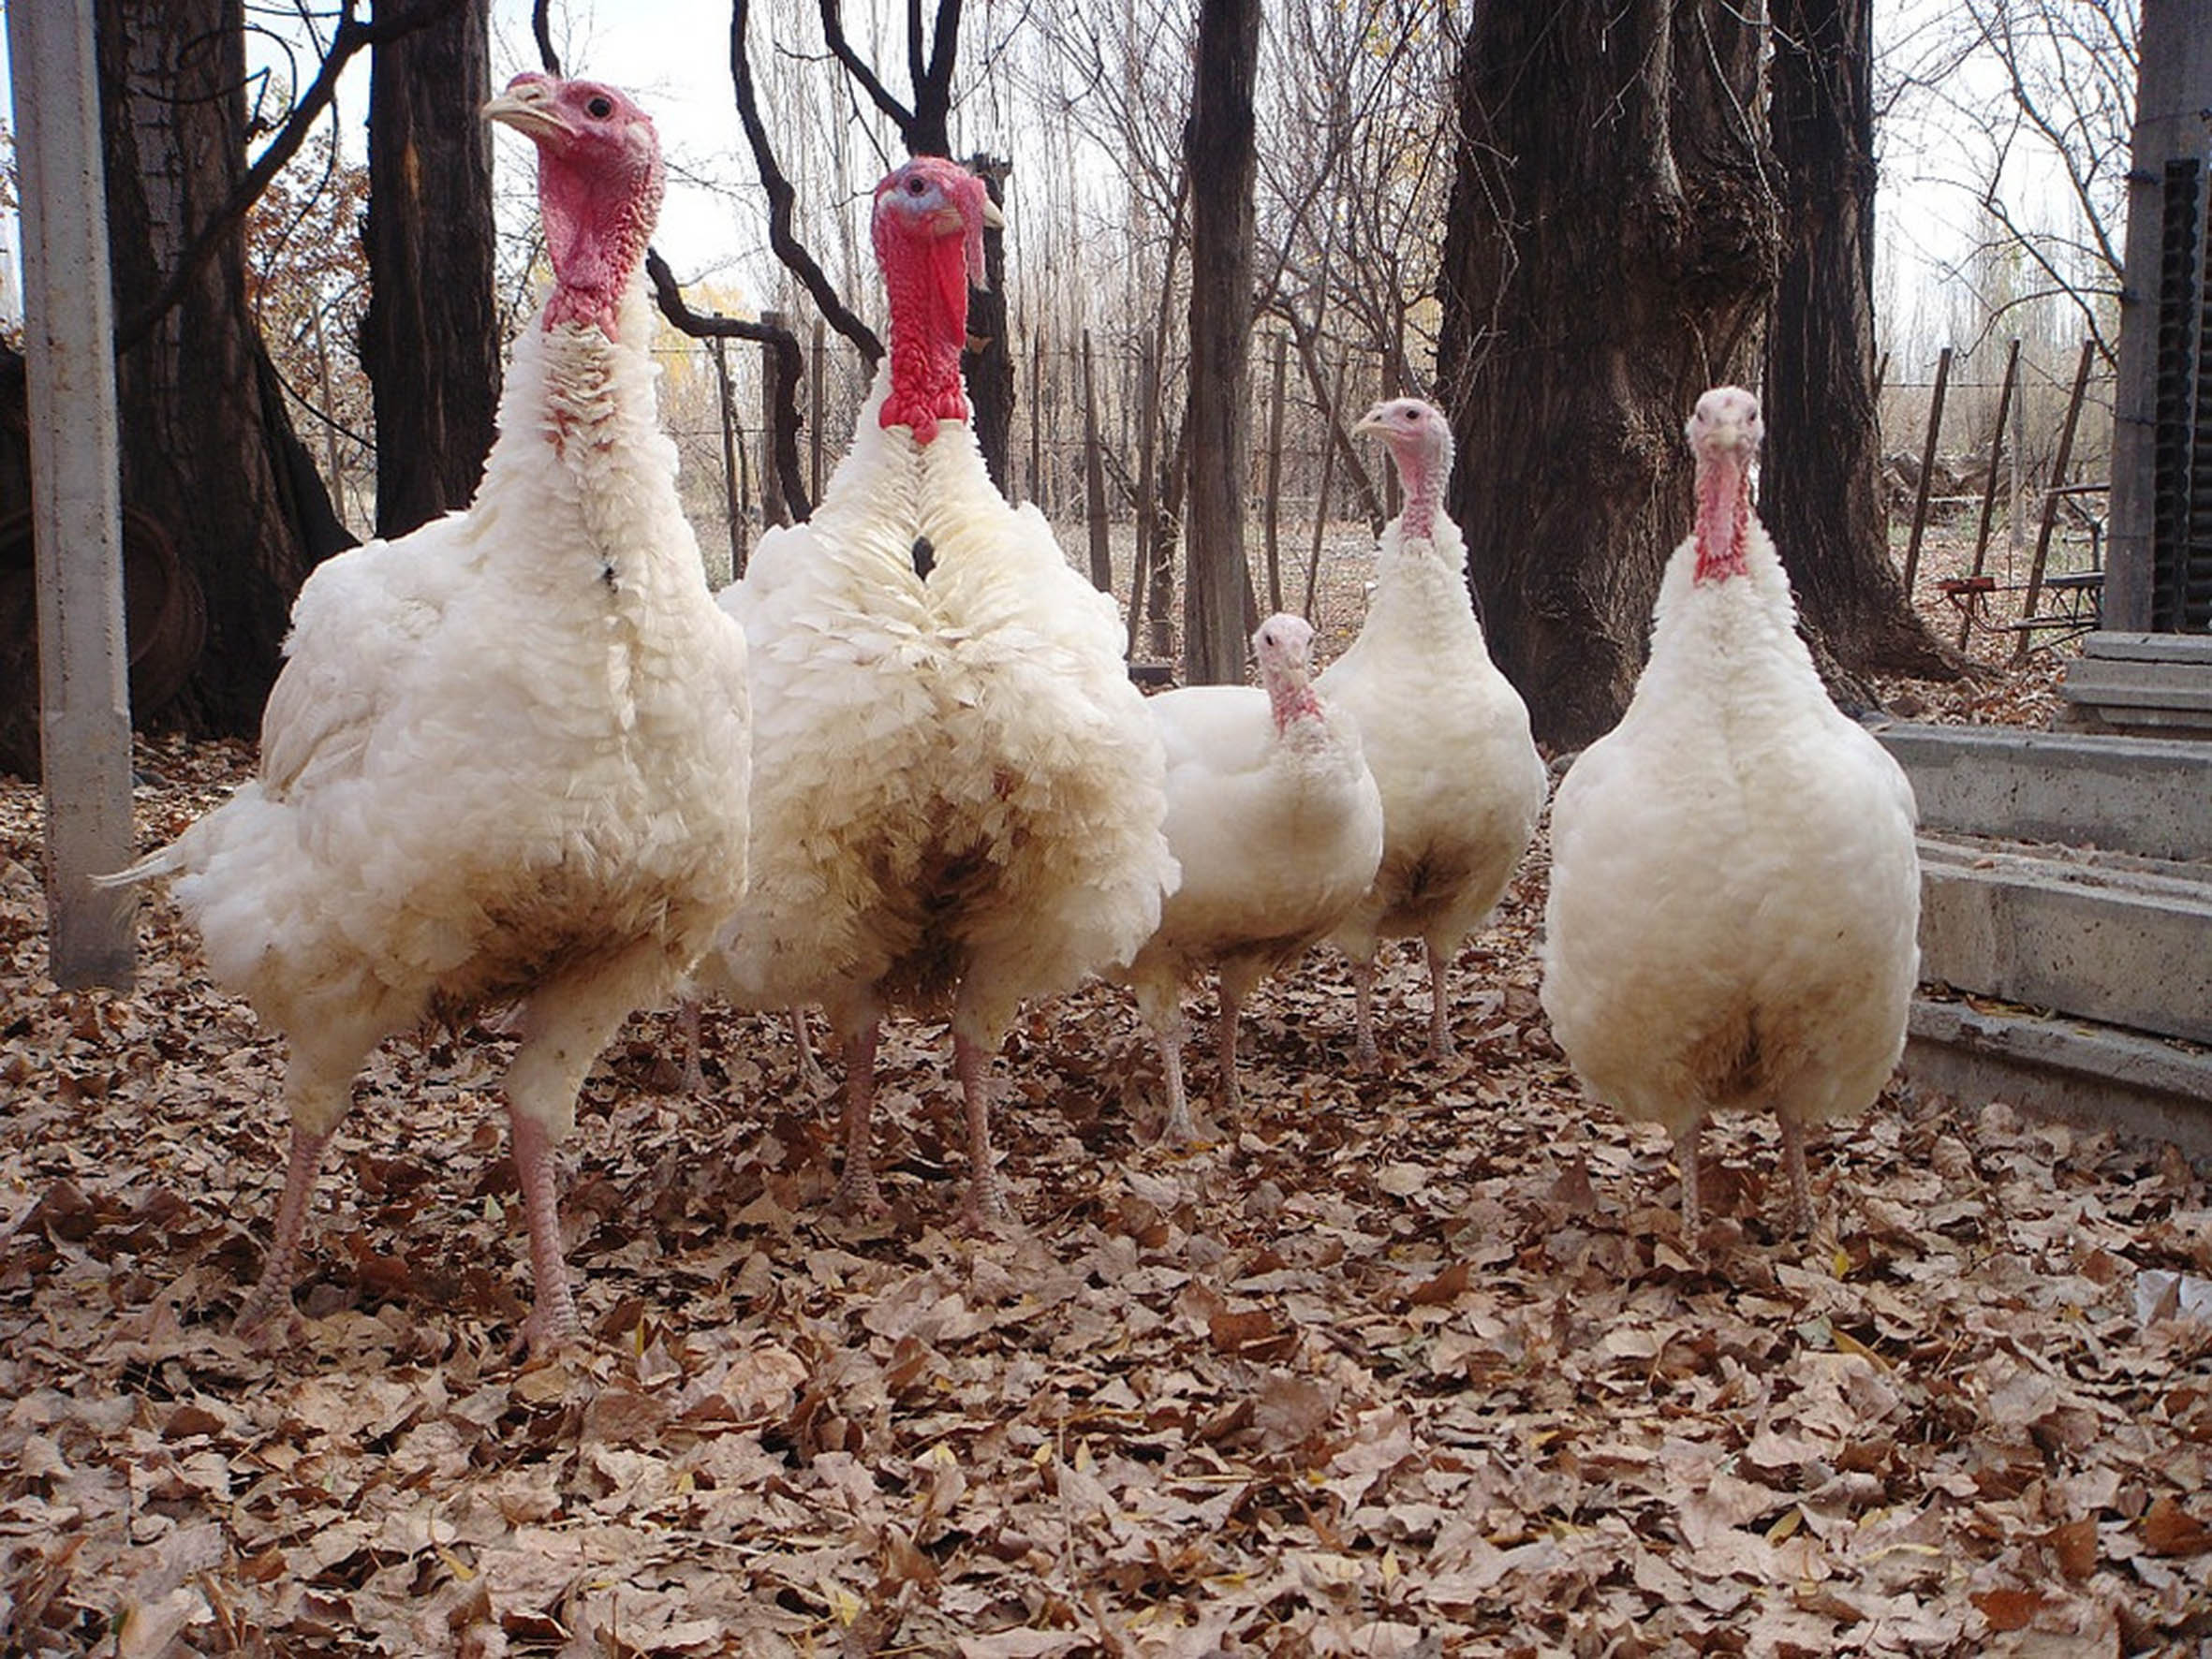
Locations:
(501, 747)
(1735, 891)
(1446, 737)
(958, 791)
(1277, 835)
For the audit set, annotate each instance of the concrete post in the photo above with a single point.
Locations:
(83, 665)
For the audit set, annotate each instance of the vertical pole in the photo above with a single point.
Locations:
(1035, 420)
(816, 419)
(773, 508)
(1996, 456)
(83, 665)
(1928, 470)
(2053, 488)
(1275, 476)
(1093, 477)
(735, 514)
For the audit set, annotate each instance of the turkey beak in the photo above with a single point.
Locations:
(993, 218)
(1371, 421)
(527, 106)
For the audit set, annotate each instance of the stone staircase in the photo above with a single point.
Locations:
(2066, 924)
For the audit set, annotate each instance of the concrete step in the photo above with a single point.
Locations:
(2155, 683)
(2097, 1076)
(2143, 795)
(2103, 937)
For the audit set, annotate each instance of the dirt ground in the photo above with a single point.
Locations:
(1408, 1364)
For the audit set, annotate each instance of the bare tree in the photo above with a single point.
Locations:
(1821, 483)
(1577, 336)
(1222, 162)
(2030, 104)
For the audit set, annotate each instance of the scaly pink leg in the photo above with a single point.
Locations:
(552, 1321)
(695, 1076)
(1800, 1190)
(812, 1078)
(1232, 1098)
(857, 1192)
(986, 1206)
(275, 1290)
(1366, 1051)
(1180, 1128)
(1440, 1046)
(1685, 1155)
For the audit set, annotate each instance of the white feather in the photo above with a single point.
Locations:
(958, 791)
(1735, 898)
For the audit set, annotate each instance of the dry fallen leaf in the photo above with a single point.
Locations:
(1411, 1364)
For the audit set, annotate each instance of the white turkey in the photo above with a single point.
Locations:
(1735, 894)
(506, 756)
(958, 796)
(1276, 820)
(1447, 735)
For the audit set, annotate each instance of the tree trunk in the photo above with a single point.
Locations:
(1221, 164)
(208, 450)
(988, 365)
(1610, 248)
(1820, 478)
(430, 339)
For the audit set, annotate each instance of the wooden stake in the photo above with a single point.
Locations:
(1997, 451)
(1928, 470)
(1094, 479)
(2053, 488)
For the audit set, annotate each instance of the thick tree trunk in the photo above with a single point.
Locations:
(1610, 250)
(1820, 480)
(1222, 163)
(208, 450)
(430, 339)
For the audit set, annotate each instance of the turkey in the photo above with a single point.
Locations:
(1447, 735)
(507, 757)
(959, 792)
(1276, 822)
(1735, 896)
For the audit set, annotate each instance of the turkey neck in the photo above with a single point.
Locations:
(1424, 478)
(1421, 602)
(576, 422)
(1723, 516)
(928, 293)
(1292, 701)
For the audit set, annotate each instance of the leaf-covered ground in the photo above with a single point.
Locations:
(1408, 1365)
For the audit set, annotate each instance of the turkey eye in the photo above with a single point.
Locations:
(600, 109)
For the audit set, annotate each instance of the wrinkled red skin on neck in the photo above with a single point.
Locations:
(595, 239)
(1292, 699)
(925, 275)
(1723, 516)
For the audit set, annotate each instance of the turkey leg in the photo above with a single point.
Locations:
(984, 1205)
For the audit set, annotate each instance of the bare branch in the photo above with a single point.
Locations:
(832, 14)
(781, 197)
(789, 365)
